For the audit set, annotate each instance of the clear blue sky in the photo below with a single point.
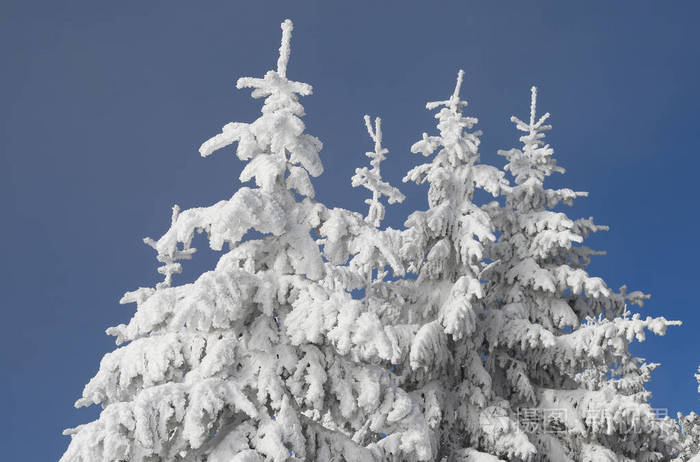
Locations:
(104, 104)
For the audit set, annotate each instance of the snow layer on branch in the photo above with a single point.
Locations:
(139, 429)
(226, 221)
(472, 455)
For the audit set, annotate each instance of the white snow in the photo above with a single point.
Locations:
(328, 337)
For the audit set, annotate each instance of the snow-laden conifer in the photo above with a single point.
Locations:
(690, 433)
(557, 339)
(267, 356)
(444, 247)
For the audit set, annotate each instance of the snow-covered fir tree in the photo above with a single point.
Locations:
(322, 335)
(556, 340)
(444, 247)
(266, 357)
(690, 433)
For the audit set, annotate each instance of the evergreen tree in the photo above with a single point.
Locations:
(690, 433)
(443, 246)
(556, 340)
(266, 357)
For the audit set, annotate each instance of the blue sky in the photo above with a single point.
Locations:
(104, 104)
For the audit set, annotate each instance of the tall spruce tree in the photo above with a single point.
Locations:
(267, 356)
(556, 340)
(444, 247)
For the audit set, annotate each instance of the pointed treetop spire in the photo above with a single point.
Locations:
(379, 152)
(533, 112)
(454, 103)
(533, 104)
(274, 82)
(534, 159)
(287, 27)
(372, 178)
(533, 126)
(454, 100)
